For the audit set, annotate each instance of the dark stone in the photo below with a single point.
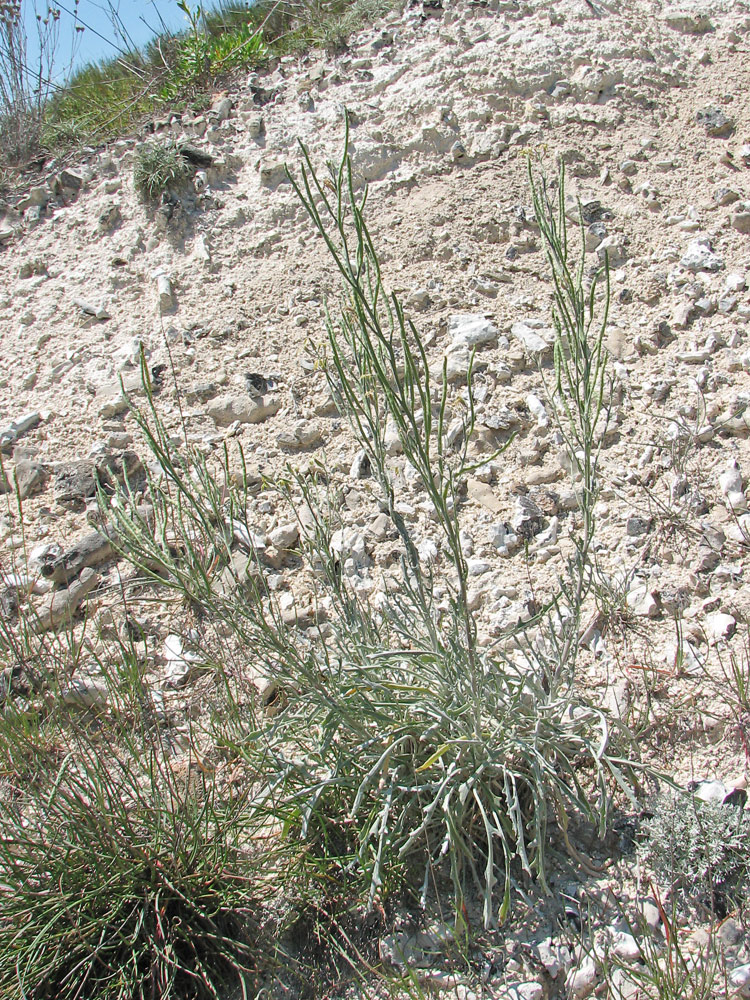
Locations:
(109, 219)
(716, 123)
(257, 385)
(198, 157)
(75, 482)
(126, 468)
(71, 180)
(92, 549)
(30, 477)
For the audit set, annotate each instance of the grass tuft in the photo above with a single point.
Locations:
(157, 165)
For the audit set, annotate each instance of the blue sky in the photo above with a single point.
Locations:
(139, 21)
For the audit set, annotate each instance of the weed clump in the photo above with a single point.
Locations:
(157, 165)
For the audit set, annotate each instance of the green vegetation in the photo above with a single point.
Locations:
(699, 848)
(104, 100)
(396, 757)
(121, 878)
(157, 165)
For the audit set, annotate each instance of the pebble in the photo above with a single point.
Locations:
(642, 602)
(181, 660)
(688, 20)
(87, 693)
(165, 291)
(469, 330)
(100, 313)
(17, 428)
(75, 482)
(651, 914)
(92, 549)
(285, 536)
(30, 477)
(225, 410)
(581, 981)
(717, 124)
(740, 980)
(625, 946)
(536, 341)
(700, 257)
(303, 435)
(62, 605)
(555, 957)
(528, 519)
(719, 628)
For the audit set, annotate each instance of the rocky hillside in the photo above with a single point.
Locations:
(224, 284)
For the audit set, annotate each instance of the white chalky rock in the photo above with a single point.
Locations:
(537, 344)
(700, 257)
(735, 283)
(554, 957)
(740, 980)
(181, 661)
(719, 628)
(526, 991)
(580, 982)
(226, 409)
(10, 434)
(285, 536)
(625, 946)
(348, 544)
(469, 330)
(428, 551)
(202, 251)
(709, 790)
(537, 410)
(642, 602)
(737, 502)
(731, 480)
(688, 20)
(477, 567)
(165, 291)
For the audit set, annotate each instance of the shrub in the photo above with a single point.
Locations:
(402, 742)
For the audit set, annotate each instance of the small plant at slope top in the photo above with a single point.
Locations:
(157, 165)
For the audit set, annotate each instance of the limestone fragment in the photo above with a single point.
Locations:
(225, 410)
(62, 605)
(536, 340)
(720, 627)
(469, 330)
(92, 549)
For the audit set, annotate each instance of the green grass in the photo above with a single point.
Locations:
(105, 100)
(157, 165)
(122, 877)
